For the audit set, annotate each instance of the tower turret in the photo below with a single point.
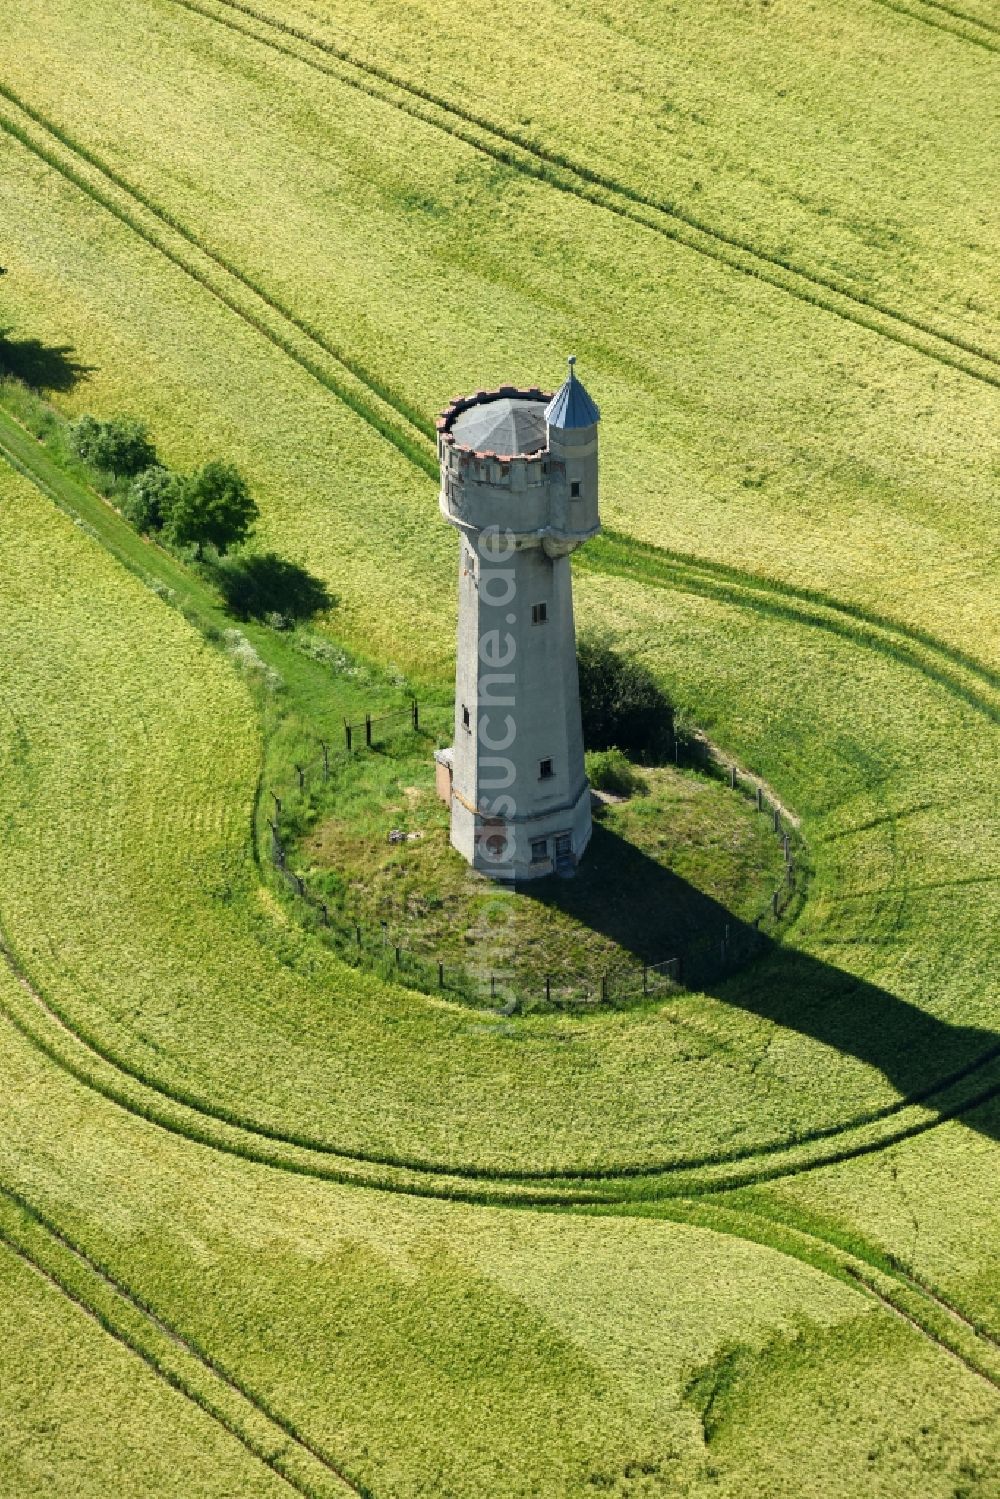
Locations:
(519, 482)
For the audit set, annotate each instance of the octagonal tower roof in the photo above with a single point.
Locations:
(512, 424)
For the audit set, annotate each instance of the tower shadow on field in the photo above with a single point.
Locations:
(624, 896)
(628, 897)
(41, 366)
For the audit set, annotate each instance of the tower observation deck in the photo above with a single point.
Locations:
(519, 482)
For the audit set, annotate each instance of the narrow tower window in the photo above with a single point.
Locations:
(539, 850)
(574, 489)
(544, 770)
(539, 613)
(466, 723)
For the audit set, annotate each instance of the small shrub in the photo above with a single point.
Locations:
(247, 659)
(120, 446)
(329, 654)
(157, 586)
(150, 498)
(611, 770)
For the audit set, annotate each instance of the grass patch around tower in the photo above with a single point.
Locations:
(666, 871)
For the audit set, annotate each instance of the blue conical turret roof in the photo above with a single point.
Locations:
(571, 406)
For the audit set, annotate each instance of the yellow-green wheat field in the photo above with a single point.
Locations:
(272, 1219)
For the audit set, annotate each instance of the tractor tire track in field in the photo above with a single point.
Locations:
(566, 175)
(753, 1223)
(582, 1199)
(946, 18)
(863, 1265)
(174, 1360)
(892, 1304)
(753, 1205)
(810, 596)
(618, 555)
(961, 15)
(183, 1365)
(614, 553)
(761, 1160)
(824, 1254)
(95, 1066)
(357, 389)
(860, 1278)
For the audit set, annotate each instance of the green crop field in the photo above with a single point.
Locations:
(272, 1219)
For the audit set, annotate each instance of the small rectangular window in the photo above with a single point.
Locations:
(466, 721)
(539, 850)
(574, 489)
(539, 613)
(544, 770)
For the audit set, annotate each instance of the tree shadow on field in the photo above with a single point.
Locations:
(258, 584)
(628, 897)
(39, 365)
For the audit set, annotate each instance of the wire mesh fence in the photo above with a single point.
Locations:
(693, 964)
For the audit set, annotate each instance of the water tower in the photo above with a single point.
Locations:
(519, 482)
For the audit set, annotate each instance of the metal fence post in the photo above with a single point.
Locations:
(548, 989)
(440, 975)
(368, 730)
(777, 820)
(300, 772)
(760, 800)
(347, 735)
(416, 715)
(326, 759)
(732, 777)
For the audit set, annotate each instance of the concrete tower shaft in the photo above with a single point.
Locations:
(519, 482)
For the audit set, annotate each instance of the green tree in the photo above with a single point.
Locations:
(120, 446)
(622, 704)
(214, 508)
(151, 497)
